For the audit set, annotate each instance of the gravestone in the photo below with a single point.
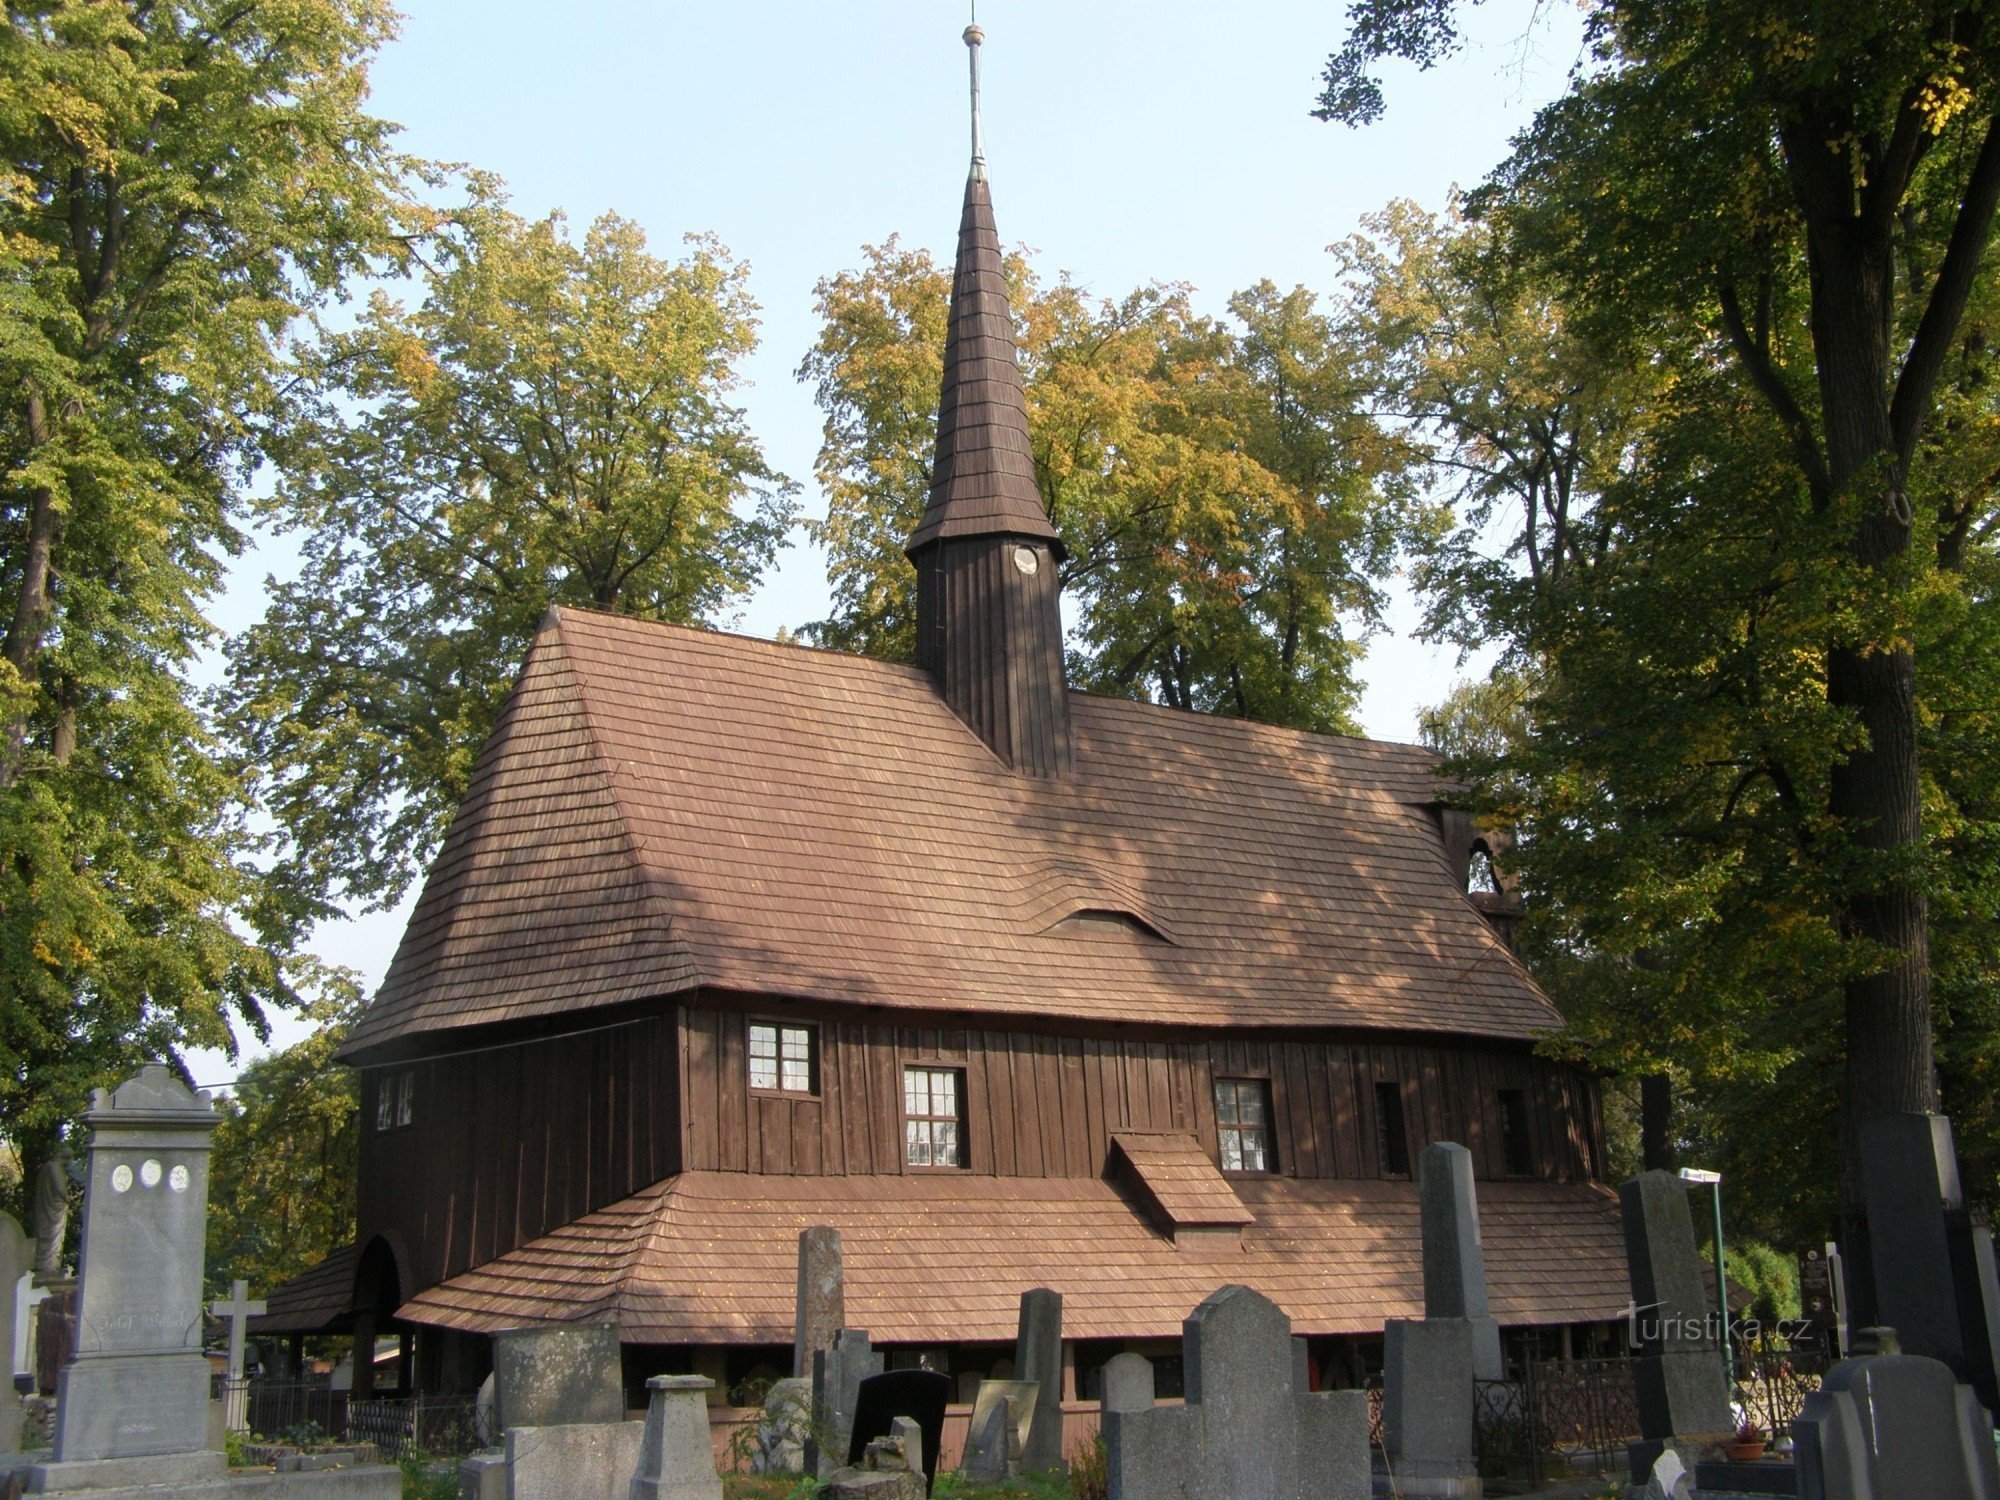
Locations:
(822, 1300)
(55, 1335)
(17, 1256)
(1454, 1254)
(1923, 1262)
(781, 1436)
(557, 1375)
(1427, 1407)
(1003, 1418)
(1669, 1479)
(882, 1400)
(1885, 1426)
(134, 1397)
(1038, 1357)
(1683, 1398)
(1246, 1431)
(570, 1461)
(676, 1456)
(887, 1471)
(1129, 1383)
(837, 1376)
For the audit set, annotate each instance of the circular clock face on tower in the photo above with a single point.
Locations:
(1024, 559)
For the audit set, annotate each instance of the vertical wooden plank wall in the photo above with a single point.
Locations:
(1045, 1106)
(508, 1143)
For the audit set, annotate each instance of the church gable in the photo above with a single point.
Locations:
(536, 901)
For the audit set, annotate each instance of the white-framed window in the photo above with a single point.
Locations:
(933, 1117)
(1243, 1124)
(784, 1058)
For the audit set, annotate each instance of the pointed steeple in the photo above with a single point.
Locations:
(989, 625)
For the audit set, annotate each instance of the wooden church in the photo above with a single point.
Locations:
(1014, 985)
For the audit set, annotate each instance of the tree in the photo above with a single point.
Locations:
(1214, 483)
(1819, 189)
(281, 1179)
(182, 181)
(550, 426)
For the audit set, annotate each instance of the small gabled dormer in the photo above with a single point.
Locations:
(1187, 1196)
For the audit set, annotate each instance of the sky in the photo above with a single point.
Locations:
(1126, 144)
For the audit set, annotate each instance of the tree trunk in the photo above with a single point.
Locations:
(1873, 792)
(26, 629)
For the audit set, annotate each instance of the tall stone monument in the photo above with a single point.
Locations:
(1683, 1395)
(822, 1301)
(135, 1395)
(1038, 1357)
(1454, 1254)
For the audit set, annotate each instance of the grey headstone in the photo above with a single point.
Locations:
(821, 1307)
(676, 1455)
(1245, 1432)
(557, 1375)
(1454, 1254)
(1910, 1183)
(1885, 1426)
(1038, 1357)
(17, 1256)
(909, 1439)
(137, 1384)
(836, 1389)
(1129, 1383)
(781, 1437)
(573, 1461)
(1987, 1270)
(1002, 1425)
(483, 1476)
(1678, 1375)
(1427, 1398)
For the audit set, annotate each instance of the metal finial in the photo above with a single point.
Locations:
(973, 37)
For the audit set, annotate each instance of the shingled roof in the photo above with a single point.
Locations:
(983, 476)
(663, 808)
(708, 1257)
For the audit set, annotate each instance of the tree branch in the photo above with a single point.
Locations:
(1770, 384)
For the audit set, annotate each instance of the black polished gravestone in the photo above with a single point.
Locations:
(1922, 1273)
(920, 1395)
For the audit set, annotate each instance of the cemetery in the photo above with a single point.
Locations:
(1015, 1036)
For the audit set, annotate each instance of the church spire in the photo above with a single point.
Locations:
(989, 628)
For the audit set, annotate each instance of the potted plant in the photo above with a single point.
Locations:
(1748, 1443)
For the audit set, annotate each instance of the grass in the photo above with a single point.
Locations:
(950, 1486)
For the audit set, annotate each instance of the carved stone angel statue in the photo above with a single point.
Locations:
(51, 1213)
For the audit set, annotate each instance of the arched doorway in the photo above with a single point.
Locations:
(378, 1292)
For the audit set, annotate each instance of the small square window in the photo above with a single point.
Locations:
(784, 1058)
(1516, 1145)
(1243, 1124)
(1392, 1141)
(933, 1117)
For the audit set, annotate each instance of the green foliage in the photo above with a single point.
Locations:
(1226, 503)
(181, 181)
(1725, 303)
(425, 1477)
(281, 1180)
(550, 425)
(1770, 1276)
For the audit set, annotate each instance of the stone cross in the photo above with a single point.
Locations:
(1678, 1375)
(1038, 1357)
(133, 1403)
(1454, 1257)
(1246, 1431)
(677, 1456)
(239, 1309)
(16, 1258)
(822, 1300)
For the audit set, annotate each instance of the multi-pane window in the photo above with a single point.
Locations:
(1515, 1144)
(783, 1058)
(395, 1099)
(1392, 1143)
(1243, 1123)
(933, 1112)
